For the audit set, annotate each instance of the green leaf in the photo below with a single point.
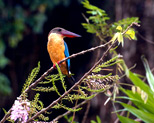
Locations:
(138, 101)
(126, 119)
(120, 38)
(149, 74)
(98, 119)
(92, 121)
(115, 37)
(145, 116)
(119, 28)
(138, 82)
(131, 34)
(4, 111)
(90, 27)
(31, 77)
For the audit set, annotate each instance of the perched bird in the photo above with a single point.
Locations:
(57, 48)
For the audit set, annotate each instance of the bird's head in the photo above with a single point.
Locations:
(63, 32)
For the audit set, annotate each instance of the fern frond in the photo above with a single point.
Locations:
(50, 78)
(37, 105)
(98, 90)
(61, 78)
(100, 81)
(55, 88)
(31, 77)
(42, 117)
(36, 97)
(108, 63)
(44, 89)
(58, 106)
(78, 97)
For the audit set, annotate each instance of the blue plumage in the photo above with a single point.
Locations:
(66, 52)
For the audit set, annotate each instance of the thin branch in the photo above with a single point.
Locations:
(134, 23)
(147, 40)
(86, 112)
(75, 106)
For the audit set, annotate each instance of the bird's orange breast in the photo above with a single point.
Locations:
(56, 49)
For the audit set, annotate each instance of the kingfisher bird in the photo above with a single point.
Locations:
(57, 48)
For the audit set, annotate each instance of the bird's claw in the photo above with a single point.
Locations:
(54, 66)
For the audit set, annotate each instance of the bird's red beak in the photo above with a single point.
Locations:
(69, 34)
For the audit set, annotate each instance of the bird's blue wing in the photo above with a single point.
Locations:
(67, 55)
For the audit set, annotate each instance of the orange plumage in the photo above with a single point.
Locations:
(56, 49)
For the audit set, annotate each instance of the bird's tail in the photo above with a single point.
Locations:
(71, 79)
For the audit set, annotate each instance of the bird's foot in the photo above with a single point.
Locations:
(54, 66)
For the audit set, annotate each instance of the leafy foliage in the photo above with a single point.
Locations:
(97, 23)
(98, 120)
(58, 106)
(130, 34)
(31, 77)
(37, 105)
(142, 97)
(149, 74)
(97, 82)
(108, 63)
(124, 23)
(69, 119)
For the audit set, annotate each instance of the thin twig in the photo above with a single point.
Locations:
(134, 23)
(147, 40)
(86, 112)
(75, 106)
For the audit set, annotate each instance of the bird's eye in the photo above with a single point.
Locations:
(59, 30)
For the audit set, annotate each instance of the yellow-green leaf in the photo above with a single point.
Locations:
(119, 28)
(120, 38)
(114, 37)
(131, 34)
